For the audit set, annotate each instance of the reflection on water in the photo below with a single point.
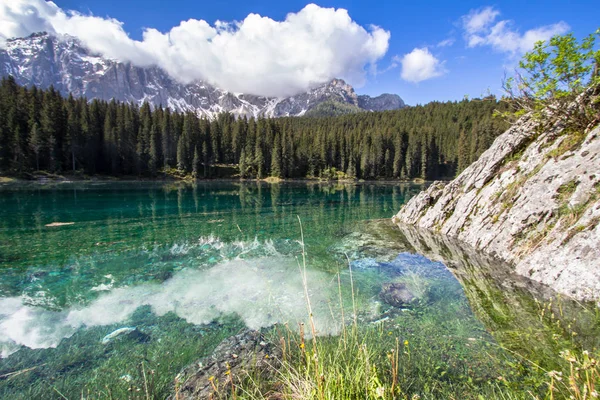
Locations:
(509, 305)
(189, 265)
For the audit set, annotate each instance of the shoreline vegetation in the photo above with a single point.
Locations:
(47, 177)
(384, 360)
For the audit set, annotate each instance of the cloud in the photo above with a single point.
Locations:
(420, 65)
(257, 55)
(446, 42)
(481, 29)
(477, 20)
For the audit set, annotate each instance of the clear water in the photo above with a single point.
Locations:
(188, 265)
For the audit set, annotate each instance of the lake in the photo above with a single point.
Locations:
(186, 266)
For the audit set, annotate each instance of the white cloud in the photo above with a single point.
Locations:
(481, 29)
(420, 65)
(257, 55)
(446, 43)
(478, 20)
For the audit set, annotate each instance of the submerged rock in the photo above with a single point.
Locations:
(131, 333)
(57, 224)
(397, 294)
(532, 199)
(232, 361)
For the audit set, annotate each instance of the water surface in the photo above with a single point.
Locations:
(188, 265)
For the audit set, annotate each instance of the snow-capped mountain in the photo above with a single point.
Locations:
(43, 60)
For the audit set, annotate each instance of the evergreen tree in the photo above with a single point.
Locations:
(206, 158)
(36, 143)
(242, 165)
(181, 158)
(154, 157)
(260, 161)
(463, 151)
(351, 172)
(424, 158)
(276, 158)
(41, 129)
(195, 163)
(18, 151)
(166, 139)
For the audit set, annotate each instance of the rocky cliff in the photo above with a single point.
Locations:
(62, 61)
(532, 199)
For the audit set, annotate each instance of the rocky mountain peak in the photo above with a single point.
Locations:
(44, 59)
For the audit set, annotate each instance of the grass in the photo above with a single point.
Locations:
(83, 368)
(424, 359)
(566, 190)
(571, 141)
(572, 214)
(374, 362)
(431, 351)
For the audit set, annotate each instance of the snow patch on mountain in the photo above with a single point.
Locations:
(62, 61)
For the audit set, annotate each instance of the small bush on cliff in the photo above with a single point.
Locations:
(552, 76)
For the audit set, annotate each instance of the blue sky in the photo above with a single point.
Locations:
(461, 69)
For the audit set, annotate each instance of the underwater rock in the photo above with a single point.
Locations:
(231, 362)
(397, 294)
(57, 224)
(126, 332)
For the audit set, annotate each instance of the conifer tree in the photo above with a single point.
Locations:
(276, 158)
(206, 157)
(195, 163)
(154, 158)
(242, 164)
(181, 158)
(40, 129)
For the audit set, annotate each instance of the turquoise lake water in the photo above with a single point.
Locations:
(188, 265)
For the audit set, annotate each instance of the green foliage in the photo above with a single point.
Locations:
(41, 130)
(552, 75)
(568, 143)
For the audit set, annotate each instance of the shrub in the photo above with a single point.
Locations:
(551, 76)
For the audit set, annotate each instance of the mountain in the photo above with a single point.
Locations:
(332, 108)
(43, 59)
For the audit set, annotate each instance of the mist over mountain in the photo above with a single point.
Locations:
(46, 60)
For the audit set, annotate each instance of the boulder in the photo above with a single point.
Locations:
(397, 294)
(233, 360)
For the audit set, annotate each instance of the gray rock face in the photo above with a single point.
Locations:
(43, 60)
(532, 199)
(236, 358)
(382, 102)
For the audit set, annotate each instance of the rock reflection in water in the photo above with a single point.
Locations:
(510, 306)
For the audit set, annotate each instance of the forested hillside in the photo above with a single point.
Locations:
(41, 130)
